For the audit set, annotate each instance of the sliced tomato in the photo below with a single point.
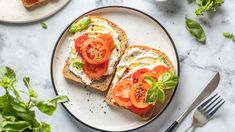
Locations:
(79, 41)
(95, 71)
(160, 69)
(138, 73)
(121, 93)
(108, 39)
(95, 51)
(137, 95)
(140, 111)
(148, 74)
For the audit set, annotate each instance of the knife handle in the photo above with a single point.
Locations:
(172, 127)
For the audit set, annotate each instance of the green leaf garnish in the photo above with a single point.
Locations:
(77, 64)
(156, 92)
(160, 95)
(43, 25)
(195, 30)
(151, 95)
(78, 27)
(167, 80)
(207, 5)
(48, 107)
(97, 59)
(17, 115)
(229, 35)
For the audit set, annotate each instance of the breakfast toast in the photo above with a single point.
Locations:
(126, 71)
(103, 82)
(32, 4)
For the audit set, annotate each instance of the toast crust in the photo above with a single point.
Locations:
(103, 83)
(167, 61)
(32, 4)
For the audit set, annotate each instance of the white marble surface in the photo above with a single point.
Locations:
(27, 48)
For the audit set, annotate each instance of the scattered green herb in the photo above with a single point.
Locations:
(43, 25)
(207, 5)
(195, 30)
(17, 115)
(229, 35)
(78, 64)
(78, 27)
(156, 91)
(97, 59)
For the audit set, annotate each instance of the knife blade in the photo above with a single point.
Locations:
(211, 86)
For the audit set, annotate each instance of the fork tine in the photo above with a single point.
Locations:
(213, 112)
(212, 107)
(207, 104)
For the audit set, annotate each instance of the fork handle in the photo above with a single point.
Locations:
(172, 127)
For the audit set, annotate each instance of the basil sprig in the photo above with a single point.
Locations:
(78, 27)
(207, 5)
(156, 92)
(229, 35)
(195, 29)
(17, 115)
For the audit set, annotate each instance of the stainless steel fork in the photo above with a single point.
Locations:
(205, 111)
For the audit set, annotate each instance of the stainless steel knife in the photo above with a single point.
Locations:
(211, 86)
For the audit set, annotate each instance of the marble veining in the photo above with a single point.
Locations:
(28, 48)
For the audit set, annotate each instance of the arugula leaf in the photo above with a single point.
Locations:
(195, 30)
(207, 5)
(78, 27)
(48, 107)
(78, 64)
(229, 35)
(43, 25)
(15, 125)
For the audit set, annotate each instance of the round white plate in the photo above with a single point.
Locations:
(87, 105)
(13, 11)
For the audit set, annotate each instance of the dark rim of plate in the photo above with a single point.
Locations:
(133, 9)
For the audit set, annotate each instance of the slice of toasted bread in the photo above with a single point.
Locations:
(110, 100)
(103, 83)
(32, 4)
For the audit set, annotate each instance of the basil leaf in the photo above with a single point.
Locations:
(149, 80)
(31, 92)
(151, 95)
(15, 126)
(59, 99)
(48, 107)
(43, 25)
(195, 30)
(78, 27)
(77, 64)
(207, 5)
(161, 95)
(46, 127)
(229, 35)
(167, 80)
(4, 105)
(7, 77)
